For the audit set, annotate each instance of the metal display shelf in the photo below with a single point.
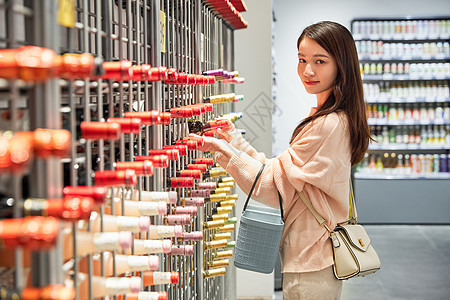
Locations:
(186, 35)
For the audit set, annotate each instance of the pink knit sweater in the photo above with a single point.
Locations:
(317, 162)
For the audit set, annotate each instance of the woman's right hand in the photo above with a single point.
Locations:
(227, 134)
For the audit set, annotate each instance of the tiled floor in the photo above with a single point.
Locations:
(415, 264)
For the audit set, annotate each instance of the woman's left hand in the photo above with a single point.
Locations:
(217, 145)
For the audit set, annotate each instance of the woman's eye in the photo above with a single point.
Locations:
(320, 62)
(301, 60)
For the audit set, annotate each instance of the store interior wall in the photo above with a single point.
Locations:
(292, 16)
(253, 61)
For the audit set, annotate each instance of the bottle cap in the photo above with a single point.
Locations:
(159, 161)
(153, 262)
(139, 167)
(115, 178)
(182, 78)
(117, 70)
(144, 223)
(191, 144)
(196, 110)
(181, 182)
(207, 185)
(205, 160)
(174, 277)
(178, 231)
(127, 125)
(173, 197)
(172, 154)
(39, 232)
(135, 284)
(201, 167)
(172, 75)
(125, 240)
(167, 246)
(196, 174)
(182, 149)
(162, 208)
(178, 219)
(193, 235)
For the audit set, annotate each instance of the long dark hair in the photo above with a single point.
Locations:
(347, 95)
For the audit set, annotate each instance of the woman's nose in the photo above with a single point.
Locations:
(308, 71)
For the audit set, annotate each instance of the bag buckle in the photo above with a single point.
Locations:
(334, 240)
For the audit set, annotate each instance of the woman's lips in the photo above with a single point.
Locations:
(309, 82)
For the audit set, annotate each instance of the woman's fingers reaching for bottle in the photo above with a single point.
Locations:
(211, 144)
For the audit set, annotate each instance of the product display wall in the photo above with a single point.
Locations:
(406, 71)
(103, 193)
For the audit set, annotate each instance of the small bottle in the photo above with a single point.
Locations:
(182, 250)
(142, 247)
(226, 228)
(157, 278)
(138, 208)
(182, 149)
(215, 244)
(193, 236)
(180, 182)
(158, 161)
(97, 193)
(34, 233)
(104, 286)
(407, 164)
(195, 201)
(213, 224)
(123, 263)
(141, 168)
(221, 236)
(127, 125)
(116, 223)
(115, 178)
(218, 263)
(172, 154)
(214, 272)
(96, 242)
(162, 295)
(222, 254)
(165, 231)
(100, 130)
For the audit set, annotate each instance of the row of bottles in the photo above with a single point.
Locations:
(404, 164)
(412, 135)
(407, 91)
(402, 29)
(410, 113)
(382, 50)
(412, 70)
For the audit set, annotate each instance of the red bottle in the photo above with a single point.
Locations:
(181, 182)
(116, 178)
(28, 63)
(77, 66)
(172, 154)
(98, 193)
(141, 72)
(127, 125)
(159, 161)
(147, 117)
(201, 167)
(71, 208)
(117, 70)
(196, 174)
(51, 142)
(204, 160)
(141, 168)
(158, 74)
(182, 149)
(34, 233)
(100, 130)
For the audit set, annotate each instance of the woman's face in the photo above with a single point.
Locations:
(316, 67)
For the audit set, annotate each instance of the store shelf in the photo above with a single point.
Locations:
(401, 38)
(400, 147)
(444, 176)
(402, 77)
(406, 100)
(380, 58)
(403, 123)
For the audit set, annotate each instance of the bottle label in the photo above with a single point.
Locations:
(138, 263)
(166, 231)
(117, 285)
(148, 296)
(161, 278)
(128, 224)
(148, 208)
(151, 246)
(155, 196)
(106, 241)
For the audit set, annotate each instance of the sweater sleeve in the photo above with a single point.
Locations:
(315, 154)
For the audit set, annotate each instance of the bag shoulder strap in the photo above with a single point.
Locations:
(319, 218)
(253, 187)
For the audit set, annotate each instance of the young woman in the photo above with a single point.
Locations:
(318, 160)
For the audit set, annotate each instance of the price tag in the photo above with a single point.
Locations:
(162, 24)
(66, 13)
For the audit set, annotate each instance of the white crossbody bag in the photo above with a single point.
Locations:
(353, 253)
